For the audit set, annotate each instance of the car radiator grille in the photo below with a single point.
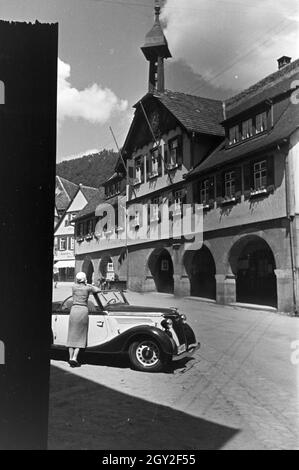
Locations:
(179, 330)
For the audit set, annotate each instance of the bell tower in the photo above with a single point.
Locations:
(155, 50)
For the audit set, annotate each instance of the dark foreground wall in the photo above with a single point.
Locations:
(28, 70)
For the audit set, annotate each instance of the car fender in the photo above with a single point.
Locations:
(121, 343)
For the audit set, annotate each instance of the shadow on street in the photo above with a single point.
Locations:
(86, 415)
(119, 360)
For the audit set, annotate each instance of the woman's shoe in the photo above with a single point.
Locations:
(72, 363)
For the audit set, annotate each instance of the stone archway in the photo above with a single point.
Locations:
(88, 269)
(161, 267)
(253, 264)
(201, 270)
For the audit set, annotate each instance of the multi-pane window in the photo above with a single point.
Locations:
(155, 208)
(247, 129)
(155, 159)
(90, 226)
(233, 135)
(229, 184)
(173, 153)
(260, 175)
(62, 244)
(261, 122)
(178, 199)
(204, 192)
(138, 170)
(137, 219)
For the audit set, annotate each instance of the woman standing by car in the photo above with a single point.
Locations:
(78, 320)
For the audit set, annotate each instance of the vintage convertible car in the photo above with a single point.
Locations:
(151, 336)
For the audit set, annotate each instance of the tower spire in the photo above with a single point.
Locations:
(157, 10)
(155, 50)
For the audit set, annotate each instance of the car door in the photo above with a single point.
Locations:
(97, 328)
(61, 322)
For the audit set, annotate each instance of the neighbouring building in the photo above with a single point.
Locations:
(70, 200)
(101, 244)
(237, 160)
(249, 191)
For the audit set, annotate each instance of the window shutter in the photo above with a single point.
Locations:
(148, 212)
(238, 181)
(180, 151)
(219, 186)
(131, 172)
(142, 169)
(141, 218)
(148, 164)
(211, 189)
(270, 171)
(166, 155)
(248, 178)
(159, 162)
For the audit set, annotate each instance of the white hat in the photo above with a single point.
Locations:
(81, 277)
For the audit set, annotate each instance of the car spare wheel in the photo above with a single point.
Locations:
(146, 355)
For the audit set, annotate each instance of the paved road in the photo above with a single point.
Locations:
(239, 392)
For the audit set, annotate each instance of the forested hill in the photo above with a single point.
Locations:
(90, 170)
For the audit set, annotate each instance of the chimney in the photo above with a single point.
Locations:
(283, 61)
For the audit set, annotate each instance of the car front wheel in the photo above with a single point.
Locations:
(146, 355)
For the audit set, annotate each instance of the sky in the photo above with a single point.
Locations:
(218, 47)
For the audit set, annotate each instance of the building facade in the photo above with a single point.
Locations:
(236, 164)
(64, 241)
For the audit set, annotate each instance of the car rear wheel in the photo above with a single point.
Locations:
(146, 355)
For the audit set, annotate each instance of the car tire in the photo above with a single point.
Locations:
(147, 355)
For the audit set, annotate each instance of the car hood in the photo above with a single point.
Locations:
(127, 309)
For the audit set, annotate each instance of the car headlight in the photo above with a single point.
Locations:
(183, 317)
(167, 323)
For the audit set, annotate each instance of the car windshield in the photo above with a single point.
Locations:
(111, 297)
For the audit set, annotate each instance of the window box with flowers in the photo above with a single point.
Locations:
(88, 236)
(107, 233)
(258, 192)
(171, 166)
(228, 200)
(153, 174)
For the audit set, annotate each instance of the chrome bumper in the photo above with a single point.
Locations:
(192, 348)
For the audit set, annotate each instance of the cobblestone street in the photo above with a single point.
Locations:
(240, 390)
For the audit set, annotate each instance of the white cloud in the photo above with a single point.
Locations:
(222, 40)
(94, 104)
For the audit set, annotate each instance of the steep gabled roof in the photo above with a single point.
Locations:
(273, 85)
(97, 198)
(88, 191)
(195, 113)
(64, 193)
(285, 126)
